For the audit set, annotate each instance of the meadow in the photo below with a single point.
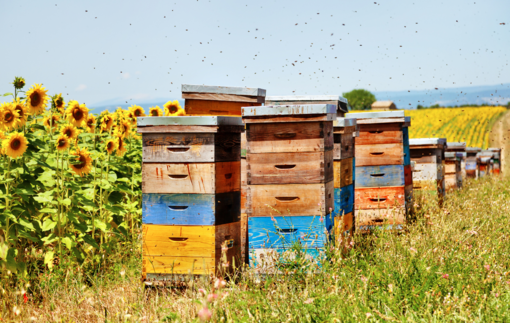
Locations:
(70, 239)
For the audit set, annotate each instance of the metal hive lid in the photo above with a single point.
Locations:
(370, 115)
(344, 122)
(276, 110)
(455, 145)
(191, 88)
(189, 121)
(427, 141)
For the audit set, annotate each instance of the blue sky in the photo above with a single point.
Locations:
(135, 51)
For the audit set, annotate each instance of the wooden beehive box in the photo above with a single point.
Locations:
(485, 162)
(338, 101)
(191, 199)
(428, 175)
(452, 170)
(472, 162)
(459, 147)
(290, 189)
(205, 100)
(497, 160)
(383, 180)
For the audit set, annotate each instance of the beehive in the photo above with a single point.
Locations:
(459, 147)
(383, 185)
(290, 189)
(206, 100)
(472, 162)
(453, 170)
(428, 175)
(497, 160)
(485, 162)
(338, 101)
(191, 182)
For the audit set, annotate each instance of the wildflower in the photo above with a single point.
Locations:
(77, 114)
(321, 219)
(211, 297)
(25, 298)
(445, 276)
(412, 250)
(37, 99)
(497, 294)
(202, 291)
(364, 279)
(173, 108)
(137, 111)
(155, 111)
(368, 315)
(21, 108)
(204, 314)
(91, 123)
(19, 82)
(70, 131)
(390, 287)
(308, 301)
(226, 264)
(83, 162)
(15, 145)
(122, 272)
(8, 117)
(51, 121)
(219, 283)
(487, 267)
(111, 145)
(16, 310)
(62, 142)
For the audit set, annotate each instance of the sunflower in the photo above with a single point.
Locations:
(121, 148)
(83, 163)
(19, 82)
(77, 113)
(53, 119)
(173, 109)
(70, 131)
(37, 99)
(91, 123)
(111, 145)
(124, 129)
(58, 102)
(155, 111)
(9, 117)
(22, 111)
(106, 120)
(62, 142)
(15, 145)
(137, 111)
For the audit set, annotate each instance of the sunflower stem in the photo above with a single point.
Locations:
(7, 206)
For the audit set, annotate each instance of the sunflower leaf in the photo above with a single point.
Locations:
(88, 239)
(7, 94)
(48, 259)
(48, 225)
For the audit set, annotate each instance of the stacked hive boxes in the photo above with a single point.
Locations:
(485, 162)
(497, 160)
(225, 101)
(345, 131)
(338, 101)
(383, 185)
(459, 147)
(289, 154)
(453, 170)
(428, 174)
(472, 162)
(191, 181)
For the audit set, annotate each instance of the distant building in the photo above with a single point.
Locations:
(384, 105)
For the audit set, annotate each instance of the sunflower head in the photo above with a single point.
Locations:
(77, 113)
(137, 111)
(21, 108)
(124, 128)
(19, 82)
(106, 120)
(63, 142)
(9, 117)
(37, 99)
(51, 121)
(121, 147)
(15, 145)
(173, 108)
(70, 131)
(155, 111)
(91, 123)
(82, 163)
(58, 103)
(111, 145)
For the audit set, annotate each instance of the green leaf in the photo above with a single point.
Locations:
(112, 177)
(44, 197)
(65, 202)
(115, 197)
(48, 259)
(88, 239)
(100, 225)
(48, 210)
(68, 242)
(48, 225)
(88, 193)
(26, 224)
(11, 260)
(7, 94)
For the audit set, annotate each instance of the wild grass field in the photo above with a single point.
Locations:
(450, 265)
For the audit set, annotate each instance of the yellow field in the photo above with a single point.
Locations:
(471, 125)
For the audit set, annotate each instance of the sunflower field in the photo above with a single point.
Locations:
(70, 181)
(470, 125)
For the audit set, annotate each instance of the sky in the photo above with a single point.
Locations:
(104, 52)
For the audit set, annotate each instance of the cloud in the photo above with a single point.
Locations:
(81, 87)
(125, 75)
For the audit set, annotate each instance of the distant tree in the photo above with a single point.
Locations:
(359, 99)
(420, 107)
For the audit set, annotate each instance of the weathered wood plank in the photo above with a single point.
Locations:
(289, 137)
(190, 129)
(380, 176)
(290, 199)
(290, 118)
(408, 175)
(284, 231)
(234, 90)
(197, 178)
(382, 219)
(378, 134)
(343, 146)
(426, 172)
(215, 108)
(384, 154)
(191, 209)
(267, 261)
(450, 166)
(344, 200)
(244, 239)
(223, 97)
(343, 171)
(377, 198)
(290, 168)
(450, 181)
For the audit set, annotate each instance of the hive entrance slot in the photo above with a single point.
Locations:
(378, 220)
(380, 199)
(379, 153)
(285, 135)
(178, 207)
(177, 176)
(178, 239)
(378, 175)
(377, 131)
(178, 149)
(287, 198)
(228, 176)
(284, 166)
(287, 230)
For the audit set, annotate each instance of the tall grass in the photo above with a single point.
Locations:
(450, 265)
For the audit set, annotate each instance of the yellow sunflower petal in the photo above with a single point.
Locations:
(37, 99)
(15, 145)
(63, 143)
(137, 111)
(82, 164)
(155, 111)
(9, 117)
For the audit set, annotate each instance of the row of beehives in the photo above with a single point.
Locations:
(215, 193)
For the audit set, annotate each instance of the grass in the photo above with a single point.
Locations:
(451, 265)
